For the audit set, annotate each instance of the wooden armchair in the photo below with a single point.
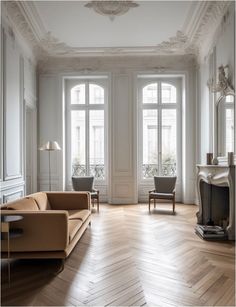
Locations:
(164, 189)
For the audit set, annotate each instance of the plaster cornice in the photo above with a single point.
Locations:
(33, 19)
(203, 18)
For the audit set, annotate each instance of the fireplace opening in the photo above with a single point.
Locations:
(215, 204)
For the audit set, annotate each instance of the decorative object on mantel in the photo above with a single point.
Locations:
(209, 157)
(223, 86)
(50, 146)
(230, 158)
(111, 8)
(214, 161)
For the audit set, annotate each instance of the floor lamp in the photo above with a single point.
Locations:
(50, 146)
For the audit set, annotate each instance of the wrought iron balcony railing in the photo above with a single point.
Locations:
(96, 170)
(151, 170)
(148, 170)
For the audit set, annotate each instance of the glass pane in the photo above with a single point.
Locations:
(229, 137)
(78, 94)
(150, 93)
(96, 94)
(150, 144)
(96, 143)
(168, 93)
(229, 99)
(168, 142)
(78, 143)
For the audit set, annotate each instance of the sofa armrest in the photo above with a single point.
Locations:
(42, 231)
(69, 200)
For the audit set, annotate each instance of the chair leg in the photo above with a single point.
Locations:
(174, 204)
(154, 203)
(93, 202)
(98, 203)
(149, 204)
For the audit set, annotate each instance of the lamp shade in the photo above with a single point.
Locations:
(50, 146)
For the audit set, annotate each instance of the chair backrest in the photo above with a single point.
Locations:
(83, 183)
(164, 184)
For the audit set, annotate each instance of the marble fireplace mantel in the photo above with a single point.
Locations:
(222, 176)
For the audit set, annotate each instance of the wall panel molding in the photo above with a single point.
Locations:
(7, 197)
(122, 120)
(12, 110)
(1, 101)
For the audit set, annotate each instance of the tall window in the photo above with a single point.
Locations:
(86, 121)
(159, 122)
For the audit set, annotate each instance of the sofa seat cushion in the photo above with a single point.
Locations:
(26, 204)
(74, 226)
(79, 214)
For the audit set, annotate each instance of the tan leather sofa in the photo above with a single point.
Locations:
(52, 224)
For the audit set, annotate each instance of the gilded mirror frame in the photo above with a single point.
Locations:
(223, 88)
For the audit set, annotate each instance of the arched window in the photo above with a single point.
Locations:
(158, 126)
(86, 100)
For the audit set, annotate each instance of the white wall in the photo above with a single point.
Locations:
(122, 187)
(18, 80)
(223, 52)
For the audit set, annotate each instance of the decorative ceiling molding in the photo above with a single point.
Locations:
(14, 14)
(32, 17)
(111, 8)
(178, 44)
(207, 16)
(49, 44)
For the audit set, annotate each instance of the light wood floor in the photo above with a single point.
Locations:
(131, 258)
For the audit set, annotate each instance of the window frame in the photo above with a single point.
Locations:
(69, 84)
(143, 81)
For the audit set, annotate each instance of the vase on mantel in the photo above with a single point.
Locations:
(214, 161)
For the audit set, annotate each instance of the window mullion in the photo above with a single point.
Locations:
(87, 154)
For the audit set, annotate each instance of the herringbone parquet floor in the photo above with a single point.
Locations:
(131, 258)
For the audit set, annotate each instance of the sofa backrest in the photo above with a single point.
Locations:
(27, 204)
(69, 199)
(41, 200)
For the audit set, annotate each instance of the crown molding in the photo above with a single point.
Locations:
(177, 44)
(196, 12)
(203, 19)
(33, 19)
(114, 63)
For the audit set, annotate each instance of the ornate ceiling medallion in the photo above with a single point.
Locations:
(111, 8)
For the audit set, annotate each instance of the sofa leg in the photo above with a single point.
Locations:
(61, 267)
